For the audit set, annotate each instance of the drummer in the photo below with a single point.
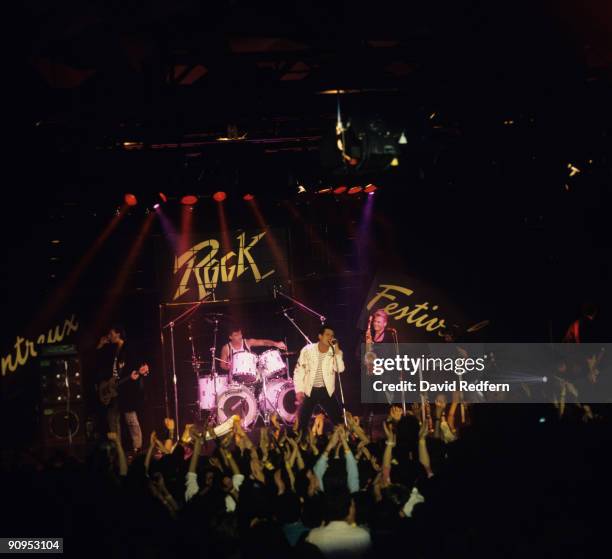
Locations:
(238, 344)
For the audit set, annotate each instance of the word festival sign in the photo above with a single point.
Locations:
(418, 311)
(208, 266)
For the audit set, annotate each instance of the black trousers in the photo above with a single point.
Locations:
(330, 405)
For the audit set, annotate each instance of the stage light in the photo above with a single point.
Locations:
(395, 162)
(156, 206)
(189, 200)
(370, 188)
(573, 170)
(340, 190)
(354, 190)
(402, 139)
(248, 197)
(301, 189)
(162, 197)
(130, 199)
(219, 196)
(55, 242)
(327, 190)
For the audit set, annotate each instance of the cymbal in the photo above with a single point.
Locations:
(197, 362)
(288, 352)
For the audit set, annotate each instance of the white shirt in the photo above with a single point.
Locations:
(340, 539)
(306, 368)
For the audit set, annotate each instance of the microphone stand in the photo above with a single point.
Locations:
(395, 341)
(292, 320)
(171, 326)
(299, 304)
(340, 386)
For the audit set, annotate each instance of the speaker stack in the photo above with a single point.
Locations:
(63, 414)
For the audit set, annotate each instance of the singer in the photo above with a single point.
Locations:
(315, 378)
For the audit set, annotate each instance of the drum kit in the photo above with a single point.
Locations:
(255, 386)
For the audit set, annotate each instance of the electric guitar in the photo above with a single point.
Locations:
(109, 389)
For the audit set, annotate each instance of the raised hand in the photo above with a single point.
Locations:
(194, 433)
(395, 413)
(112, 436)
(169, 423)
(278, 480)
(186, 436)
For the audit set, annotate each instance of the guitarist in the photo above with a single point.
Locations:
(116, 358)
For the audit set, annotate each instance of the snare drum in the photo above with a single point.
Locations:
(244, 367)
(271, 364)
(281, 393)
(237, 400)
(207, 390)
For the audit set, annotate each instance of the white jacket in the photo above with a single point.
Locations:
(306, 369)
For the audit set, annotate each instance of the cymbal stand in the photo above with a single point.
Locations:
(195, 367)
(213, 366)
(171, 326)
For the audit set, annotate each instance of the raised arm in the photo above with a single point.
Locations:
(423, 452)
(356, 429)
(321, 466)
(254, 342)
(338, 362)
(169, 442)
(388, 455)
(352, 473)
(150, 451)
(191, 480)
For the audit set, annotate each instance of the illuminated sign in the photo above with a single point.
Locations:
(415, 314)
(206, 267)
(419, 311)
(25, 349)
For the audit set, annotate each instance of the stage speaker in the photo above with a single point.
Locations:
(64, 426)
(63, 415)
(60, 376)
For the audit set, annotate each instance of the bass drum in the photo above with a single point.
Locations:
(207, 390)
(237, 400)
(281, 393)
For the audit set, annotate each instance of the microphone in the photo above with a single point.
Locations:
(334, 341)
